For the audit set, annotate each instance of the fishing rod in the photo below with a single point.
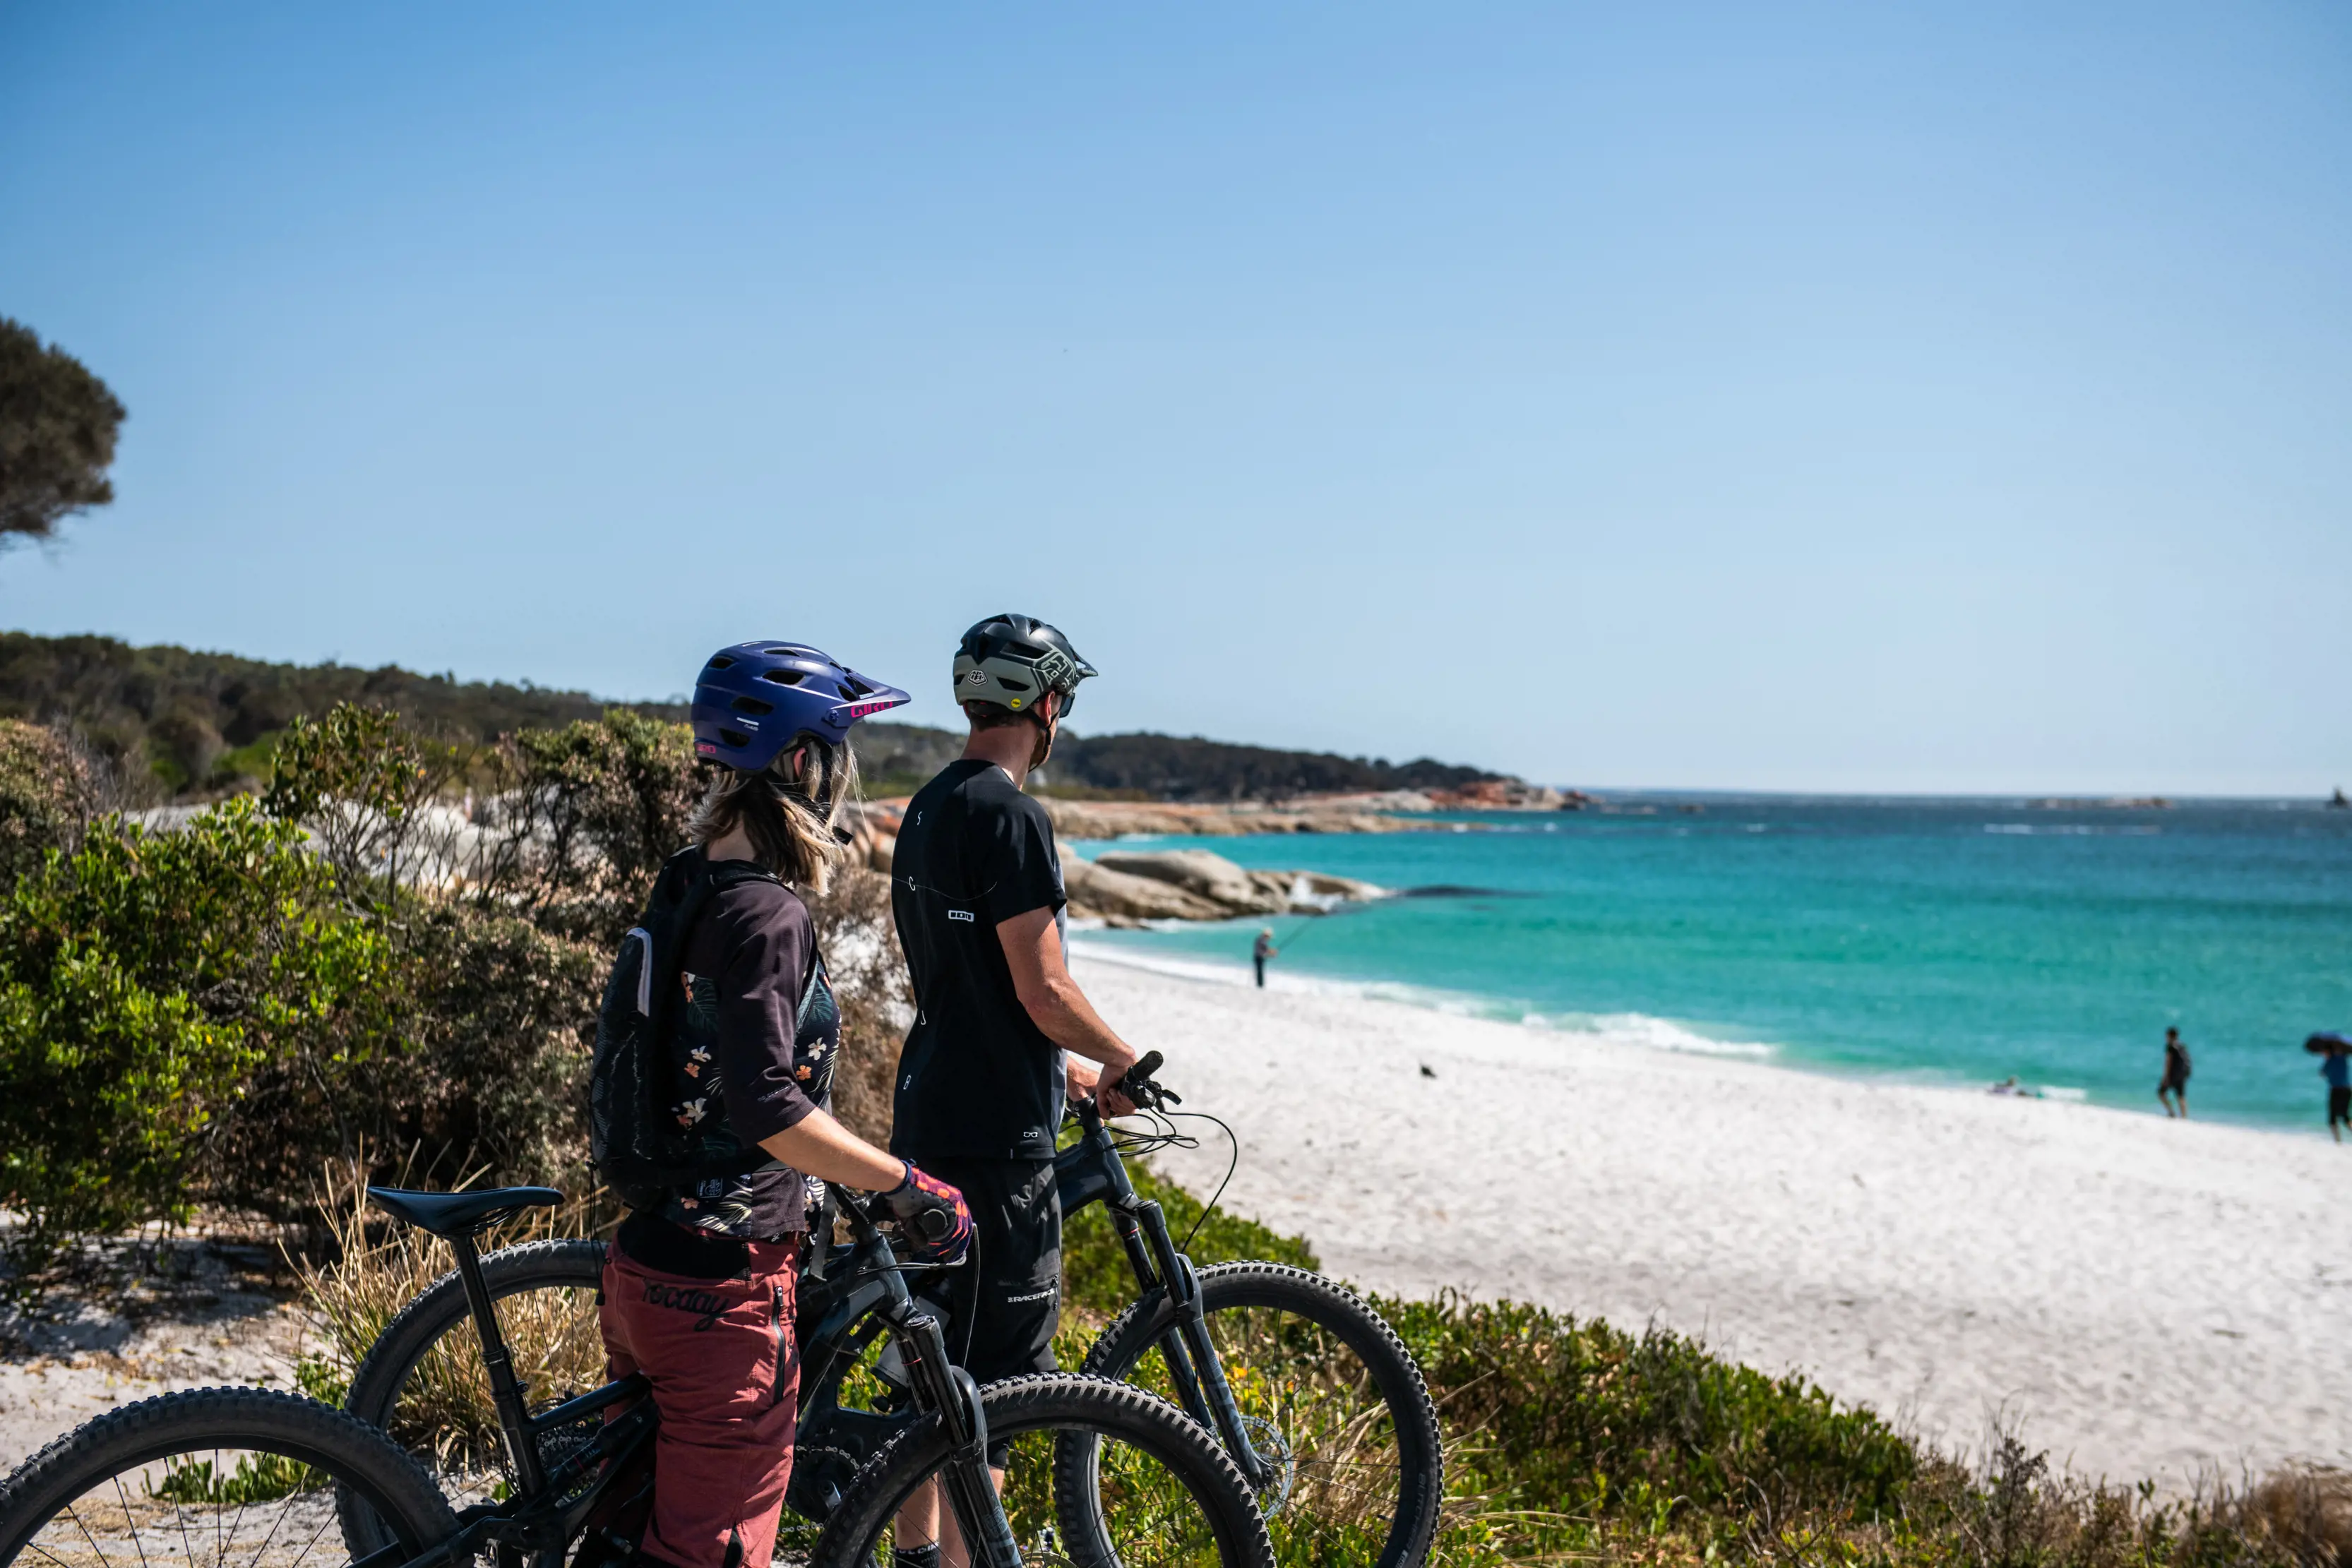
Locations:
(1299, 932)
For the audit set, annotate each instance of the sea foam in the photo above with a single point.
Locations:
(1640, 1030)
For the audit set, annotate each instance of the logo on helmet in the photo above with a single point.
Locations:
(976, 678)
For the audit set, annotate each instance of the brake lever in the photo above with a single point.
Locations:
(1137, 1086)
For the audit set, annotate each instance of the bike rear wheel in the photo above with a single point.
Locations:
(1328, 1394)
(216, 1478)
(424, 1384)
(1158, 1491)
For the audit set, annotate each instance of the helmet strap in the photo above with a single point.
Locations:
(1047, 726)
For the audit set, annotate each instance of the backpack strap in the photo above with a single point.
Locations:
(687, 885)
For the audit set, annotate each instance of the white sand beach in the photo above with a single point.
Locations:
(2139, 1297)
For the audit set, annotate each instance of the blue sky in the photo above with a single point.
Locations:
(1830, 397)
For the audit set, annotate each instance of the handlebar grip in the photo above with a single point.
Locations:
(1137, 1086)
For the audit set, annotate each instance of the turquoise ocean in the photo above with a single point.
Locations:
(1954, 941)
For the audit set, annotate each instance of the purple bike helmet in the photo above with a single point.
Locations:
(754, 699)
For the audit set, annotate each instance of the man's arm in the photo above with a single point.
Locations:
(1033, 948)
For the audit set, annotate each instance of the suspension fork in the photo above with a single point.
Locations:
(1091, 1169)
(950, 1390)
(1193, 1365)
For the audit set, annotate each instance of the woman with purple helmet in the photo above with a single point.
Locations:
(699, 1281)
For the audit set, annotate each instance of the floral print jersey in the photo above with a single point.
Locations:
(752, 1054)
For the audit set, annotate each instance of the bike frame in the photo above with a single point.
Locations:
(538, 1522)
(1090, 1171)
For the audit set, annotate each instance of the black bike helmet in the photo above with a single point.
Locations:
(1013, 659)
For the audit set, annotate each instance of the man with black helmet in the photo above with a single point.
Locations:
(976, 891)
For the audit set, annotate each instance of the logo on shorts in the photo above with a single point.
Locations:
(1044, 1295)
(679, 1299)
(963, 915)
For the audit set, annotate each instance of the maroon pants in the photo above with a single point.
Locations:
(726, 1371)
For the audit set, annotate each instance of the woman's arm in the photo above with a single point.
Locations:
(820, 1146)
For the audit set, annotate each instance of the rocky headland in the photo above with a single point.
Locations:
(1132, 887)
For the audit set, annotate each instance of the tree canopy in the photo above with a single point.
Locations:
(57, 424)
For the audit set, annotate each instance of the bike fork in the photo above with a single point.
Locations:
(970, 1490)
(1193, 1365)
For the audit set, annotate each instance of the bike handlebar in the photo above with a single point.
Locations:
(1137, 1086)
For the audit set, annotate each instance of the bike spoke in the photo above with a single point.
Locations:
(209, 1507)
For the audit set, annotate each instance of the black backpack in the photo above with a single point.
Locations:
(637, 1146)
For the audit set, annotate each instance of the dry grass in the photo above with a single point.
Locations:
(2305, 1512)
(379, 1267)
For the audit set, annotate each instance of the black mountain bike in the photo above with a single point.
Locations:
(1311, 1394)
(261, 1479)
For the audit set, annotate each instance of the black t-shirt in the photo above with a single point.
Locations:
(757, 1027)
(977, 1076)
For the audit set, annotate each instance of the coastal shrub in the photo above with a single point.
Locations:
(581, 818)
(1550, 1418)
(476, 1070)
(49, 791)
(143, 978)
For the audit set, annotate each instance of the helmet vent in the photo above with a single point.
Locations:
(718, 662)
(784, 677)
(855, 688)
(734, 737)
(752, 705)
(1009, 684)
(792, 652)
(1024, 650)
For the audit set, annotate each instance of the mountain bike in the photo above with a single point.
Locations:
(264, 1480)
(1316, 1400)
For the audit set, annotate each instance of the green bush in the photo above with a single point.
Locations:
(47, 794)
(144, 979)
(479, 1070)
(1551, 1417)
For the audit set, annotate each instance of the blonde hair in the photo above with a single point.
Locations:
(793, 824)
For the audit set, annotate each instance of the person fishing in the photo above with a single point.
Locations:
(976, 893)
(2336, 1070)
(1261, 950)
(2174, 1085)
(700, 1281)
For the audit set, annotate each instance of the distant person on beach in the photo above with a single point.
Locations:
(2174, 1085)
(2336, 1067)
(1261, 950)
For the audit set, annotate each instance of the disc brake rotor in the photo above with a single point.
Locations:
(1273, 1448)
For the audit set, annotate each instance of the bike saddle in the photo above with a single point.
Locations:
(450, 1214)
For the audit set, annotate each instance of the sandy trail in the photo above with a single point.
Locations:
(113, 1340)
(2143, 1297)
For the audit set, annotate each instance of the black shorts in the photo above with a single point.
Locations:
(2339, 1105)
(1001, 1308)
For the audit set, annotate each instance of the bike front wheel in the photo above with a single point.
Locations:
(1158, 1491)
(213, 1477)
(1328, 1396)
